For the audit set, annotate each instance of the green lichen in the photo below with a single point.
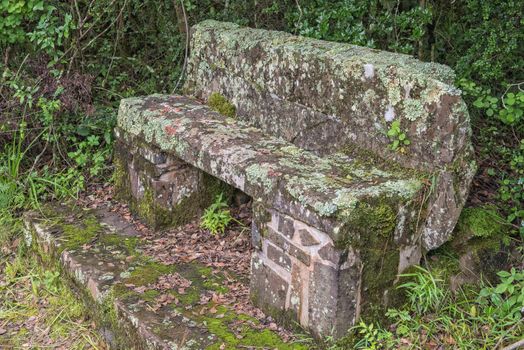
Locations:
(259, 173)
(220, 104)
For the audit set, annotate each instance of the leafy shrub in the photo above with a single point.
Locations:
(217, 216)
(466, 320)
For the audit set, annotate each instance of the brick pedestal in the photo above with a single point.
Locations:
(298, 275)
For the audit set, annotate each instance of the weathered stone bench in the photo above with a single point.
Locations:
(337, 214)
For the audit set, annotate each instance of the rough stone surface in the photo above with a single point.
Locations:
(102, 270)
(322, 191)
(333, 298)
(312, 210)
(329, 253)
(278, 256)
(337, 214)
(163, 190)
(341, 97)
(269, 288)
(307, 239)
(326, 82)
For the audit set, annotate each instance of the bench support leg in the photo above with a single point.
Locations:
(297, 275)
(162, 190)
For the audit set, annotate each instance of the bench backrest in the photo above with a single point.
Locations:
(326, 96)
(330, 97)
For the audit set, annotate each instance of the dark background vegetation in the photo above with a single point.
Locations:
(66, 64)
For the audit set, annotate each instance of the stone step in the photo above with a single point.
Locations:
(101, 257)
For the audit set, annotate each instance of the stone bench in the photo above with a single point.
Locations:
(337, 214)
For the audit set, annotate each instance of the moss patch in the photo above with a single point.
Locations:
(234, 334)
(220, 104)
(76, 235)
(481, 222)
(375, 224)
(148, 273)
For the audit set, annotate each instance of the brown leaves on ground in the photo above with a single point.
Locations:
(228, 255)
(36, 316)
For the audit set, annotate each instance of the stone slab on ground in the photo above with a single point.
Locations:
(139, 303)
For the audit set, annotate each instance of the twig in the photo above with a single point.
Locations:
(514, 346)
(299, 10)
(508, 332)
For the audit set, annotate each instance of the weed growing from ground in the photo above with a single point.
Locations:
(434, 317)
(216, 217)
(37, 309)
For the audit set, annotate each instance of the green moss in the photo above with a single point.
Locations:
(76, 235)
(244, 335)
(150, 295)
(129, 243)
(120, 176)
(372, 233)
(148, 273)
(367, 159)
(481, 222)
(220, 104)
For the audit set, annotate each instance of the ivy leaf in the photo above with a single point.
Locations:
(478, 103)
(501, 288)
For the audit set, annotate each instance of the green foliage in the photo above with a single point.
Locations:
(373, 23)
(509, 108)
(217, 216)
(66, 65)
(466, 320)
(28, 290)
(14, 16)
(506, 300)
(424, 291)
(484, 40)
(372, 337)
(502, 137)
(397, 137)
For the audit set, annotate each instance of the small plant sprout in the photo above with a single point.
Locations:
(217, 216)
(397, 137)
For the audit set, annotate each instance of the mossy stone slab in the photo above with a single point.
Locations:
(100, 256)
(322, 191)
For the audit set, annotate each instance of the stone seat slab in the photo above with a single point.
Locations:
(321, 191)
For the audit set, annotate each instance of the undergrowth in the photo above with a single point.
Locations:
(66, 65)
(36, 309)
(436, 318)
